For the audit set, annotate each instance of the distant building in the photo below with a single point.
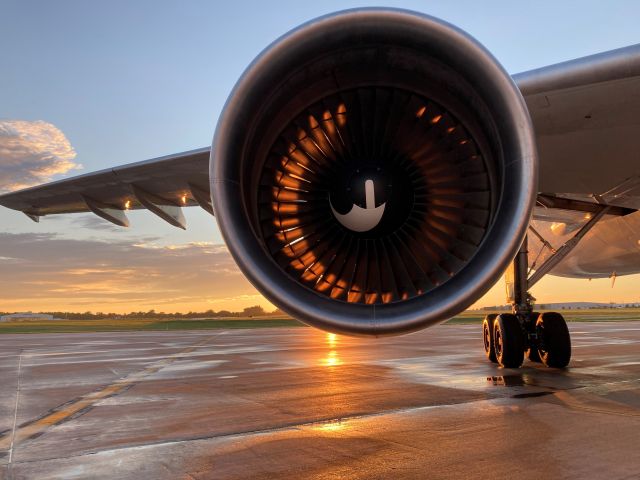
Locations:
(26, 316)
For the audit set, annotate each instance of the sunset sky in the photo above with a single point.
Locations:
(89, 85)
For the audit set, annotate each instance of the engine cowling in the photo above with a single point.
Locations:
(374, 171)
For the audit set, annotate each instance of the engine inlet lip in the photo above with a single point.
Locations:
(517, 194)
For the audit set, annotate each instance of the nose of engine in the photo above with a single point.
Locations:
(373, 171)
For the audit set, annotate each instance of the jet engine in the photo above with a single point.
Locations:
(374, 171)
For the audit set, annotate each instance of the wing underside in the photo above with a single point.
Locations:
(586, 115)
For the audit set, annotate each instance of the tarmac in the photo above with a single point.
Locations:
(297, 403)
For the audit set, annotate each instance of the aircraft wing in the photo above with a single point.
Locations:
(586, 114)
(162, 185)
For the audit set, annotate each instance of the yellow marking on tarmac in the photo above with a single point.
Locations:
(65, 411)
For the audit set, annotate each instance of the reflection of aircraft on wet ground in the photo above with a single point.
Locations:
(375, 171)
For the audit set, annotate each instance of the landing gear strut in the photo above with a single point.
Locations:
(508, 337)
(543, 337)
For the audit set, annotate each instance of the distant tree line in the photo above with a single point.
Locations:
(542, 306)
(255, 311)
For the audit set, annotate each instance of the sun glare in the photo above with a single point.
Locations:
(332, 359)
(332, 426)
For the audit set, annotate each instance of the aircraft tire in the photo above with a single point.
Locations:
(487, 337)
(554, 340)
(508, 340)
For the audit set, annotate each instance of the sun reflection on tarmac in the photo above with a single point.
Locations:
(332, 359)
(332, 426)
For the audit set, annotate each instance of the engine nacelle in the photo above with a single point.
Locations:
(374, 171)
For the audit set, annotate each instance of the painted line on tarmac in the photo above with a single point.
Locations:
(323, 423)
(81, 405)
(15, 411)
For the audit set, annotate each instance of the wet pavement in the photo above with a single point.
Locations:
(298, 403)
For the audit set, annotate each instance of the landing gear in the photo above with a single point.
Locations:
(531, 350)
(508, 340)
(554, 342)
(509, 337)
(487, 337)
(542, 337)
(533, 354)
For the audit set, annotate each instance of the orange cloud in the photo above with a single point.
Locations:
(32, 153)
(45, 272)
(50, 273)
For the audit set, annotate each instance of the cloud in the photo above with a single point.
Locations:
(46, 272)
(32, 153)
(52, 273)
(92, 222)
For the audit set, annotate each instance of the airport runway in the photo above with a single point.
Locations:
(298, 403)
